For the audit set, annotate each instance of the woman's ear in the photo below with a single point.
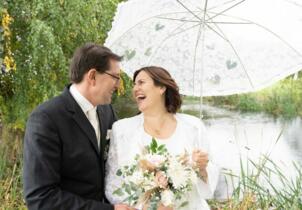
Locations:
(162, 90)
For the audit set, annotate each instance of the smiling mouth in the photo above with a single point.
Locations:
(140, 98)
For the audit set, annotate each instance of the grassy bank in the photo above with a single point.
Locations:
(281, 99)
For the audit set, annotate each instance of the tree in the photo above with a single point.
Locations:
(44, 34)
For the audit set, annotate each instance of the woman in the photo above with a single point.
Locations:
(158, 100)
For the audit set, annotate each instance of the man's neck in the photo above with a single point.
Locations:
(84, 90)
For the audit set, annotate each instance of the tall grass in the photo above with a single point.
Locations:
(257, 190)
(264, 185)
(10, 171)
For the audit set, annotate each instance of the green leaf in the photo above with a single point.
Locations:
(184, 204)
(161, 148)
(152, 206)
(148, 148)
(128, 188)
(153, 145)
(119, 172)
(118, 192)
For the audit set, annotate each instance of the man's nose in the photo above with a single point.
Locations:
(117, 84)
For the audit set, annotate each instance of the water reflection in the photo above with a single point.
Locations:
(293, 135)
(245, 137)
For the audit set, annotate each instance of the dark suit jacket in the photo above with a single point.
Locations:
(63, 168)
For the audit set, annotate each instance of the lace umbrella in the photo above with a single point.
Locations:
(211, 47)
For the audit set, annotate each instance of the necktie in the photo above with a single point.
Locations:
(93, 119)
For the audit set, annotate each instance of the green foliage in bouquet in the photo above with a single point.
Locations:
(143, 185)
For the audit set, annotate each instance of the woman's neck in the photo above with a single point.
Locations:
(160, 124)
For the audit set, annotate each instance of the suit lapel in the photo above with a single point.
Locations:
(102, 117)
(87, 128)
(81, 119)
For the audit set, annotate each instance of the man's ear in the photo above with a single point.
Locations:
(91, 76)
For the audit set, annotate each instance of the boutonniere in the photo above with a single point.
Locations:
(108, 135)
(106, 149)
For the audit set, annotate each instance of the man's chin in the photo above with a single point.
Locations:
(108, 101)
(105, 101)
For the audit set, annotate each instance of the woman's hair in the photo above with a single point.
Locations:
(161, 77)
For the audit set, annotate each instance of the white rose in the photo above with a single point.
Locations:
(149, 184)
(156, 160)
(167, 198)
(137, 178)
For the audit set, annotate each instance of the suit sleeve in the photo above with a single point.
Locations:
(41, 170)
(114, 115)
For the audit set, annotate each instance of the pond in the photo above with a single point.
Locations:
(238, 139)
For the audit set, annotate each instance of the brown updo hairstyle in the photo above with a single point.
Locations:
(162, 78)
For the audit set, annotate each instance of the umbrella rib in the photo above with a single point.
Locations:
(278, 37)
(171, 35)
(224, 3)
(142, 21)
(202, 62)
(186, 29)
(223, 11)
(156, 16)
(294, 3)
(268, 30)
(223, 36)
(195, 21)
(194, 60)
(264, 28)
(240, 23)
(181, 20)
(190, 11)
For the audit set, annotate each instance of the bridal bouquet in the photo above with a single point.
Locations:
(156, 177)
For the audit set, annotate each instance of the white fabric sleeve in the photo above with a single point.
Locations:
(112, 181)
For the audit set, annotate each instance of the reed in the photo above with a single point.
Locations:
(11, 171)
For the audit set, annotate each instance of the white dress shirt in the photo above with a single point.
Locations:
(88, 109)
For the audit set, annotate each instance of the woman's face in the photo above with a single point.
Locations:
(145, 93)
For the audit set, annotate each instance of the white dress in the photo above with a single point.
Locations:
(128, 138)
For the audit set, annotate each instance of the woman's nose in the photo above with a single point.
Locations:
(135, 87)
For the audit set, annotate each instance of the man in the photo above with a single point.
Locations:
(65, 137)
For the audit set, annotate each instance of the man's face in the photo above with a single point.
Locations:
(106, 83)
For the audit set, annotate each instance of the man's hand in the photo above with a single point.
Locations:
(122, 207)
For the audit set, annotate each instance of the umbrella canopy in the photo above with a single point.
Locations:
(214, 47)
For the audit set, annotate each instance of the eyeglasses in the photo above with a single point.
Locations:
(117, 78)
